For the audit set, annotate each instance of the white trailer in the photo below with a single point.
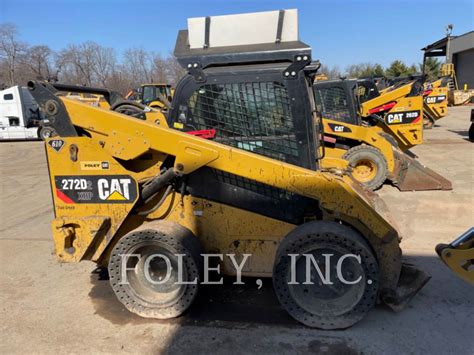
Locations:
(19, 115)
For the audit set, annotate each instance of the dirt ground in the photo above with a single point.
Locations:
(49, 307)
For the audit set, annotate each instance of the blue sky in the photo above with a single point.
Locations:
(340, 32)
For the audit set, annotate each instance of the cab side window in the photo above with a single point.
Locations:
(333, 104)
(254, 116)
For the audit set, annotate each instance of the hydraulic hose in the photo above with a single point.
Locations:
(157, 184)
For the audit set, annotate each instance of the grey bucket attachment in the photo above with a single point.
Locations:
(413, 176)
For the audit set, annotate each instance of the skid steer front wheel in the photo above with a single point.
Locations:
(368, 164)
(145, 272)
(343, 290)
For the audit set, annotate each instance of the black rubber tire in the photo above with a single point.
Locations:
(471, 132)
(46, 132)
(326, 234)
(130, 108)
(177, 240)
(366, 152)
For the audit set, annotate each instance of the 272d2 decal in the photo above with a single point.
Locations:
(96, 189)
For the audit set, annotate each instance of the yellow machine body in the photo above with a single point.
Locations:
(408, 131)
(435, 102)
(83, 231)
(459, 255)
(156, 95)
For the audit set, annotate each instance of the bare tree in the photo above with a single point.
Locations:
(38, 59)
(330, 72)
(174, 70)
(159, 69)
(104, 63)
(78, 62)
(139, 65)
(11, 49)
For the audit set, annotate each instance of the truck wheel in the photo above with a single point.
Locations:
(46, 132)
(368, 164)
(310, 298)
(144, 269)
(471, 132)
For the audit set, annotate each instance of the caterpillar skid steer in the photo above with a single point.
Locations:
(435, 96)
(435, 101)
(150, 202)
(374, 132)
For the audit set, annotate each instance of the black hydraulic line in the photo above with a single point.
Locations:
(111, 97)
(157, 183)
(160, 202)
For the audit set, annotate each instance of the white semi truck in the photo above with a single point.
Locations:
(19, 115)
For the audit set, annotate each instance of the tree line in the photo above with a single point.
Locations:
(396, 69)
(87, 63)
(92, 64)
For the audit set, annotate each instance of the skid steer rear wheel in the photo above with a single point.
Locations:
(368, 164)
(140, 293)
(326, 306)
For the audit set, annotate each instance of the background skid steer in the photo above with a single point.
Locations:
(125, 186)
(435, 101)
(375, 131)
(435, 95)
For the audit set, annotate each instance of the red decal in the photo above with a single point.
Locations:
(203, 133)
(62, 196)
(427, 92)
(385, 107)
(329, 139)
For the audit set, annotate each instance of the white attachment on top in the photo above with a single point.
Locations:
(243, 29)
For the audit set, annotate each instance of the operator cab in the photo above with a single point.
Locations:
(255, 97)
(337, 100)
(149, 93)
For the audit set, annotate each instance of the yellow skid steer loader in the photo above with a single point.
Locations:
(374, 132)
(435, 95)
(435, 101)
(151, 203)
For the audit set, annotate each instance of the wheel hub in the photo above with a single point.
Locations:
(364, 170)
(153, 274)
